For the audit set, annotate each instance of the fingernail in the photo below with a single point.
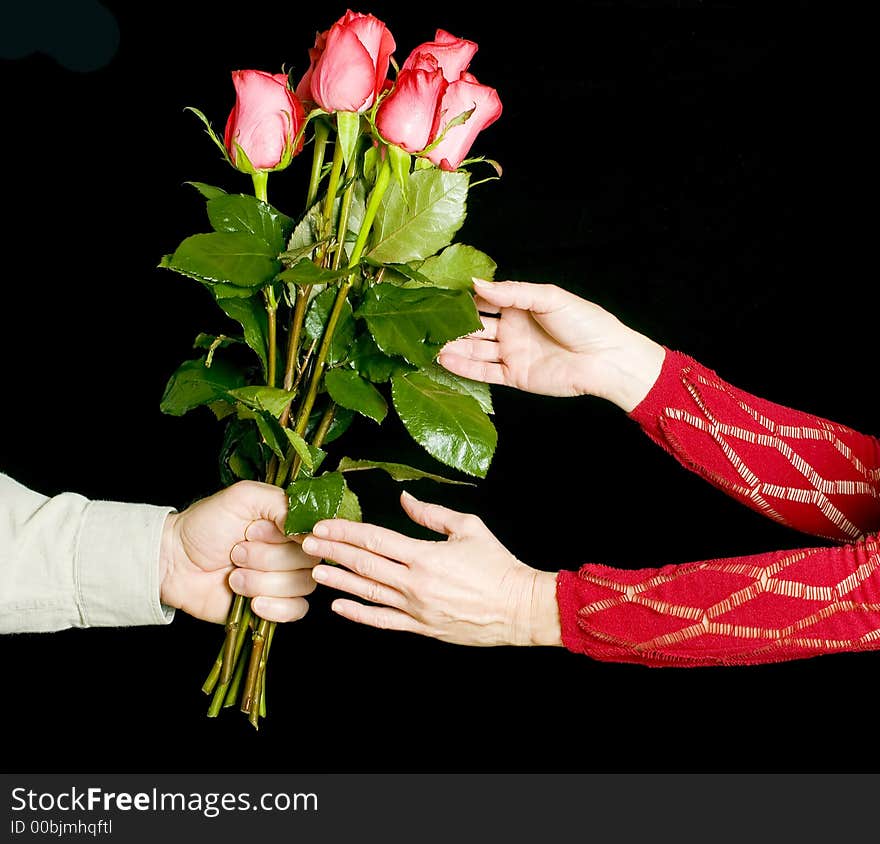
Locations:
(319, 574)
(320, 529)
(407, 496)
(309, 545)
(236, 581)
(238, 553)
(480, 282)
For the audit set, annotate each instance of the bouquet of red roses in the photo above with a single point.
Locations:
(345, 305)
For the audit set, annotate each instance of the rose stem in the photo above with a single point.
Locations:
(265, 632)
(250, 686)
(221, 691)
(321, 132)
(235, 684)
(294, 334)
(344, 213)
(260, 181)
(257, 660)
(266, 659)
(262, 630)
(321, 361)
(258, 704)
(233, 624)
(271, 311)
(214, 675)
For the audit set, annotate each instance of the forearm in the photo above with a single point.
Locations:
(806, 472)
(755, 609)
(66, 561)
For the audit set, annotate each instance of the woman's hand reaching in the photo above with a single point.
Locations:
(543, 339)
(468, 589)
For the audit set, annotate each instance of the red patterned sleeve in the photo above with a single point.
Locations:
(813, 475)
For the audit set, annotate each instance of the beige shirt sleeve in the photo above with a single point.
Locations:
(67, 561)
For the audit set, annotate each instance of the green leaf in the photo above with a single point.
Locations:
(305, 234)
(348, 389)
(210, 130)
(316, 319)
(372, 363)
(406, 270)
(397, 471)
(271, 399)
(251, 315)
(244, 213)
(207, 191)
(348, 127)
(240, 454)
(416, 323)
(236, 258)
(415, 225)
(194, 384)
(448, 425)
(221, 409)
(272, 433)
(475, 389)
(221, 292)
(350, 508)
(310, 455)
(307, 272)
(457, 265)
(312, 499)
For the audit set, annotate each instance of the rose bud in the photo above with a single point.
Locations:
(352, 68)
(453, 54)
(304, 88)
(264, 122)
(461, 96)
(409, 117)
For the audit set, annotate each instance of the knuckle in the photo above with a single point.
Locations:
(374, 593)
(363, 567)
(374, 543)
(470, 523)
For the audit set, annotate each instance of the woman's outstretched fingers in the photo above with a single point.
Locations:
(360, 587)
(477, 370)
(385, 618)
(363, 562)
(438, 518)
(475, 348)
(379, 540)
(523, 295)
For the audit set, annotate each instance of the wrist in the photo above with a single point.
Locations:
(544, 627)
(631, 368)
(167, 556)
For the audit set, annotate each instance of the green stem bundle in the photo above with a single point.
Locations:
(241, 668)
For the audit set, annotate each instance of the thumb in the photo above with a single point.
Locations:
(436, 517)
(523, 295)
(260, 503)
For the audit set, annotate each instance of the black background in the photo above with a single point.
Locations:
(706, 175)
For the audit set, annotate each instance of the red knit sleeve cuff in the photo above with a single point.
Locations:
(569, 604)
(669, 390)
